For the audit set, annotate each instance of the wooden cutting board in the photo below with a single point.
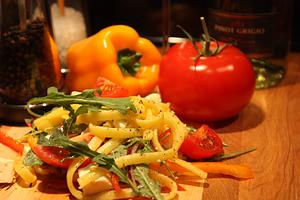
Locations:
(51, 188)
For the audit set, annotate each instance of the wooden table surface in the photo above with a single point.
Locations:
(271, 123)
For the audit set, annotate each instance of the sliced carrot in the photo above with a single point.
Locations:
(86, 137)
(235, 170)
(11, 143)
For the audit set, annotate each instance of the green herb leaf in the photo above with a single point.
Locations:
(52, 90)
(87, 97)
(194, 42)
(31, 159)
(121, 150)
(169, 170)
(148, 187)
(146, 147)
(231, 155)
(69, 124)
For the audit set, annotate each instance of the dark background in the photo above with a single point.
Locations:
(145, 16)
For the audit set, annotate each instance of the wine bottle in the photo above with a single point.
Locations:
(261, 29)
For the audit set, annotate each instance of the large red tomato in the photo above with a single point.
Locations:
(210, 88)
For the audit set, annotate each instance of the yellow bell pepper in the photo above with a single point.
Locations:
(117, 53)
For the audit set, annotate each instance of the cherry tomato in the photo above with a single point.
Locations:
(53, 156)
(210, 88)
(110, 89)
(201, 144)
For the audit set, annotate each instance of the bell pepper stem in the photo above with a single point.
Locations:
(129, 61)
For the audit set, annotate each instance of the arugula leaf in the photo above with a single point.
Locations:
(87, 97)
(58, 139)
(147, 147)
(31, 159)
(168, 170)
(145, 144)
(230, 155)
(148, 187)
(69, 124)
(121, 150)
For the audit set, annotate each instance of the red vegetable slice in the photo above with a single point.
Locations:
(201, 144)
(115, 182)
(110, 89)
(53, 156)
(11, 143)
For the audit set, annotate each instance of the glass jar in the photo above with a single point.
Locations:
(29, 58)
(69, 20)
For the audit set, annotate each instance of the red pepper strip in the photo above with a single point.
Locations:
(115, 182)
(11, 143)
(180, 188)
(110, 89)
(164, 136)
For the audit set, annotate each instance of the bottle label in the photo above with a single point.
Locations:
(252, 33)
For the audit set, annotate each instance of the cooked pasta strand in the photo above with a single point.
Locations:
(166, 181)
(138, 158)
(70, 174)
(156, 143)
(152, 122)
(99, 116)
(195, 170)
(27, 173)
(110, 145)
(178, 129)
(106, 132)
(95, 143)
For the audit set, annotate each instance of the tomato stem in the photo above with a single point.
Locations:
(205, 42)
(191, 39)
(206, 37)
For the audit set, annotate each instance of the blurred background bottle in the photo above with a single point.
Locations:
(261, 29)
